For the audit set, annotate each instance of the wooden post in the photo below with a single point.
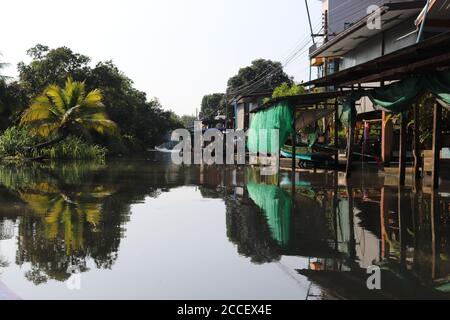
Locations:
(384, 222)
(294, 135)
(351, 142)
(435, 234)
(417, 155)
(387, 134)
(402, 155)
(351, 217)
(336, 131)
(436, 143)
(402, 225)
(335, 208)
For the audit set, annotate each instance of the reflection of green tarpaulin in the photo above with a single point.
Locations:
(278, 117)
(276, 204)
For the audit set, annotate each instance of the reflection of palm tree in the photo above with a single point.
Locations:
(71, 213)
(64, 216)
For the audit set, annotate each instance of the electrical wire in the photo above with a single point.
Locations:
(299, 50)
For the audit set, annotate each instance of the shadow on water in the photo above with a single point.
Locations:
(70, 214)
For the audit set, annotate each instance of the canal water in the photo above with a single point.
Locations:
(148, 229)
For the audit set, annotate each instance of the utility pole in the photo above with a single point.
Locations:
(226, 112)
(309, 20)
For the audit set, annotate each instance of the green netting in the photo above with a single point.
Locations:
(439, 85)
(347, 110)
(397, 96)
(276, 205)
(261, 137)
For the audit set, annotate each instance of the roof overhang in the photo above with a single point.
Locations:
(438, 14)
(349, 39)
(251, 97)
(429, 55)
(304, 100)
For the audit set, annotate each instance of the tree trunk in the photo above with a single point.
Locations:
(49, 143)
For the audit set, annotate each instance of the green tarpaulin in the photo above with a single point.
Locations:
(399, 96)
(261, 137)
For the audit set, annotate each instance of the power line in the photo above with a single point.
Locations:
(299, 49)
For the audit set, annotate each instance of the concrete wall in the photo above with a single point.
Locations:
(373, 48)
(240, 116)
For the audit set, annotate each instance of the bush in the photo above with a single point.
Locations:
(14, 140)
(73, 148)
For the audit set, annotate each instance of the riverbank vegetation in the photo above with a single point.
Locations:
(60, 100)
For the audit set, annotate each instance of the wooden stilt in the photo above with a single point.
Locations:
(402, 155)
(435, 234)
(436, 143)
(294, 136)
(384, 222)
(386, 138)
(336, 131)
(417, 157)
(402, 225)
(335, 209)
(350, 143)
(352, 240)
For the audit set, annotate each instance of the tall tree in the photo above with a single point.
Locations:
(67, 110)
(261, 75)
(51, 67)
(212, 106)
(142, 122)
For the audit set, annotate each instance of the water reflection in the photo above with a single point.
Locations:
(75, 216)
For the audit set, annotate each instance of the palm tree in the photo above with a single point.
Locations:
(61, 111)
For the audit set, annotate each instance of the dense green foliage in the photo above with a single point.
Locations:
(142, 123)
(12, 100)
(261, 76)
(15, 140)
(74, 148)
(188, 121)
(14, 143)
(212, 106)
(270, 72)
(284, 90)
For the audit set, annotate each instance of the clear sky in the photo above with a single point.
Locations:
(175, 50)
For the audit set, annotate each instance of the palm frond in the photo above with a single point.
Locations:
(93, 99)
(41, 109)
(43, 127)
(69, 107)
(58, 97)
(102, 126)
(74, 92)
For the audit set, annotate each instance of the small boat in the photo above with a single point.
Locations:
(305, 155)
